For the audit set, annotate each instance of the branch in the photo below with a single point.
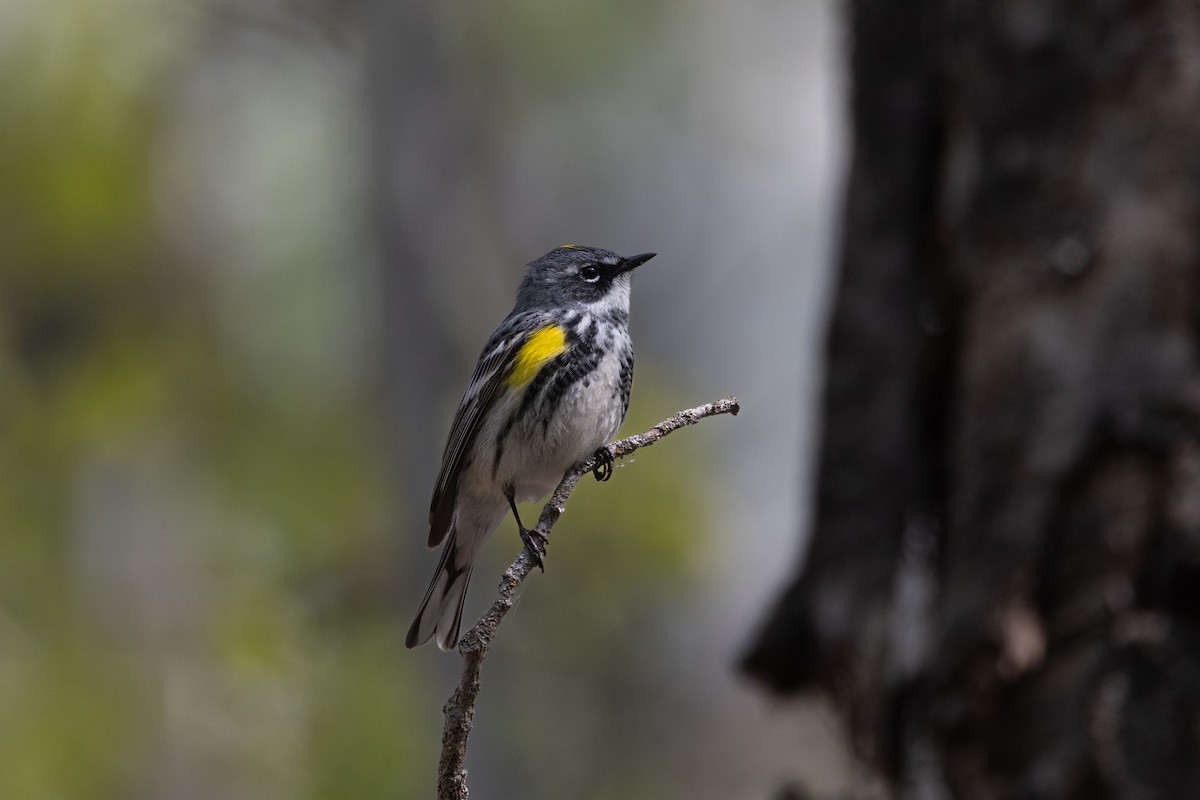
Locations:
(460, 708)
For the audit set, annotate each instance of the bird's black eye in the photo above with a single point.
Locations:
(590, 273)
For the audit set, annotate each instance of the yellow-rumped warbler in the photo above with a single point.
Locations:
(551, 389)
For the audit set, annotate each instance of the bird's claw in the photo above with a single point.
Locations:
(535, 542)
(604, 469)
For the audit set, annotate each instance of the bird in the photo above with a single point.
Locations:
(550, 390)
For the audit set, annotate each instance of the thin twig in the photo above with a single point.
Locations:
(460, 708)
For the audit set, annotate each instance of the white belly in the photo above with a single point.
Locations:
(535, 457)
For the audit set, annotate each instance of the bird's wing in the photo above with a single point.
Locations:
(495, 363)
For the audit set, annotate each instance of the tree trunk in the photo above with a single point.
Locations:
(1003, 585)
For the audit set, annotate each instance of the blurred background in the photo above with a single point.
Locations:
(249, 252)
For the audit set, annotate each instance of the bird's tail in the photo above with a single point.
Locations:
(441, 610)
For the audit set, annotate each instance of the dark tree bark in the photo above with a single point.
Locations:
(1003, 585)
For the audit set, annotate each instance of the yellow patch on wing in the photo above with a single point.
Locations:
(568, 246)
(541, 346)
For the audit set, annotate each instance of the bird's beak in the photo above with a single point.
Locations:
(635, 261)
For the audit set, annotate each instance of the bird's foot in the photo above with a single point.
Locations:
(535, 542)
(604, 469)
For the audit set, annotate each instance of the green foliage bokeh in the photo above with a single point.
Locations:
(197, 563)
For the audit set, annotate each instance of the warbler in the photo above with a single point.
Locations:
(550, 390)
